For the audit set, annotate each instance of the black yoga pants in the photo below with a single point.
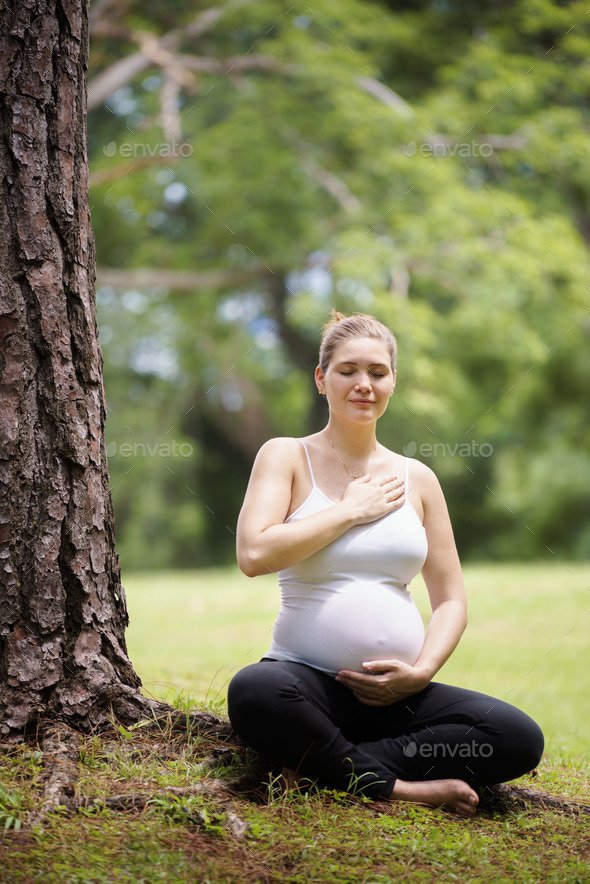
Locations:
(303, 719)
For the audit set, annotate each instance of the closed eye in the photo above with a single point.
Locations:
(374, 374)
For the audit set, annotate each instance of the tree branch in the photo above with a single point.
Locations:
(168, 61)
(179, 280)
(117, 75)
(384, 94)
(330, 182)
(335, 186)
(123, 71)
(170, 107)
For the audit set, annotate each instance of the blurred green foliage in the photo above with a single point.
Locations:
(425, 162)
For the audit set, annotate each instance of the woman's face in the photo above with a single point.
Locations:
(359, 381)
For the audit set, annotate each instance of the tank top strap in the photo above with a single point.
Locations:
(406, 480)
(308, 463)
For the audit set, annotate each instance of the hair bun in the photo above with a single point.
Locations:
(335, 318)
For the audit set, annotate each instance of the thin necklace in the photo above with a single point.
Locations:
(344, 465)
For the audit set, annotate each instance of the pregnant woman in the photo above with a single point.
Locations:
(345, 694)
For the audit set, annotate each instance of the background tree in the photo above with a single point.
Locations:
(422, 162)
(62, 607)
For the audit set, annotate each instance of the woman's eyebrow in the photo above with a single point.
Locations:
(370, 364)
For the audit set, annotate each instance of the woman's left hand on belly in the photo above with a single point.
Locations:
(384, 682)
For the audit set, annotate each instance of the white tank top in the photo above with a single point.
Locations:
(349, 602)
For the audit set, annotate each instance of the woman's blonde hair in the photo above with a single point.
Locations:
(341, 328)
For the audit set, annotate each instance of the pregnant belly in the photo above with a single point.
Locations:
(353, 626)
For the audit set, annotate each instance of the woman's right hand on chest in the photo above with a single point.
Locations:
(266, 542)
(369, 499)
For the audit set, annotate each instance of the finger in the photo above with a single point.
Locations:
(394, 489)
(398, 490)
(390, 480)
(352, 675)
(382, 665)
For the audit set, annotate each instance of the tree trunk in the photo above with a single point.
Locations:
(62, 608)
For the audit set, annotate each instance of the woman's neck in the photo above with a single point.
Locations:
(354, 440)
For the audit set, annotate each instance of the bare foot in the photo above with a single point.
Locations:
(455, 795)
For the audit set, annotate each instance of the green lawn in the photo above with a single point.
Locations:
(527, 640)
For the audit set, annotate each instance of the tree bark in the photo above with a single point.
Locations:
(62, 608)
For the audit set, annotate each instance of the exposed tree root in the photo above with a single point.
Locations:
(61, 753)
(61, 747)
(139, 800)
(133, 710)
(505, 793)
(159, 715)
(223, 790)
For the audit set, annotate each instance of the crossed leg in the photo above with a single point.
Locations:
(432, 747)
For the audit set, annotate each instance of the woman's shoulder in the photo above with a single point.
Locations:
(420, 473)
(278, 457)
(425, 481)
(279, 449)
(418, 467)
(281, 443)
(296, 444)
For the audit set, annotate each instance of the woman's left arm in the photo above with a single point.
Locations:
(443, 578)
(388, 681)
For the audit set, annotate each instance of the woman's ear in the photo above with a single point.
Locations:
(394, 380)
(320, 381)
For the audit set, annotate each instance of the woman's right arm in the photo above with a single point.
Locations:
(266, 543)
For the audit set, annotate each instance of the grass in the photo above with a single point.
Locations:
(310, 835)
(526, 643)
